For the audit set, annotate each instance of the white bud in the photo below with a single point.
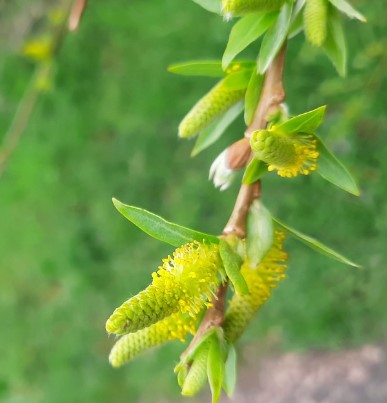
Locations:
(220, 173)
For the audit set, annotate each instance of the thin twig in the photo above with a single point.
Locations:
(273, 94)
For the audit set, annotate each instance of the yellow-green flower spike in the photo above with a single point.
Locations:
(213, 104)
(315, 21)
(235, 8)
(290, 154)
(260, 280)
(197, 374)
(184, 283)
(174, 327)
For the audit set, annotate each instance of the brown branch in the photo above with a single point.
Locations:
(76, 14)
(273, 94)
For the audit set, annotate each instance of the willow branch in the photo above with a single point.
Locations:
(273, 94)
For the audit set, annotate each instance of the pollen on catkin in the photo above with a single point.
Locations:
(213, 104)
(260, 280)
(197, 374)
(236, 8)
(174, 327)
(315, 21)
(184, 283)
(290, 154)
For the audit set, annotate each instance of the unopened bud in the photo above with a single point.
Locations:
(220, 173)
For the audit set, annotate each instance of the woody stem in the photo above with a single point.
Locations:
(273, 94)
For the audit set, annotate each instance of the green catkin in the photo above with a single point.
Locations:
(273, 148)
(315, 21)
(235, 8)
(261, 281)
(213, 104)
(197, 374)
(175, 327)
(184, 283)
(290, 154)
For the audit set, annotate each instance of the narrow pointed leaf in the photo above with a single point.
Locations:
(206, 68)
(259, 233)
(305, 123)
(215, 369)
(238, 80)
(232, 264)
(335, 44)
(159, 228)
(297, 21)
(274, 38)
(315, 244)
(254, 171)
(347, 9)
(215, 130)
(244, 32)
(331, 169)
(210, 5)
(253, 94)
(230, 371)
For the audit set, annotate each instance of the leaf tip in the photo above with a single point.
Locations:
(117, 204)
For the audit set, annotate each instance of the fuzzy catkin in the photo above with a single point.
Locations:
(315, 21)
(235, 8)
(218, 100)
(184, 283)
(175, 327)
(260, 280)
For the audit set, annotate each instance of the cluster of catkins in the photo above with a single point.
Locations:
(170, 308)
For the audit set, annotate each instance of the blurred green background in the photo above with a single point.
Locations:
(108, 128)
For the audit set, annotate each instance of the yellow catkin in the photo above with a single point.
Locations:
(213, 104)
(174, 327)
(184, 283)
(197, 374)
(315, 21)
(234, 8)
(289, 154)
(260, 280)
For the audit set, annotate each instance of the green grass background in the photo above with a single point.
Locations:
(108, 128)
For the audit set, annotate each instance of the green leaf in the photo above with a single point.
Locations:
(331, 169)
(297, 22)
(335, 45)
(159, 228)
(254, 171)
(232, 264)
(238, 80)
(305, 123)
(244, 32)
(215, 368)
(347, 9)
(274, 38)
(230, 372)
(314, 244)
(206, 68)
(214, 131)
(259, 233)
(213, 6)
(253, 94)
(189, 355)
